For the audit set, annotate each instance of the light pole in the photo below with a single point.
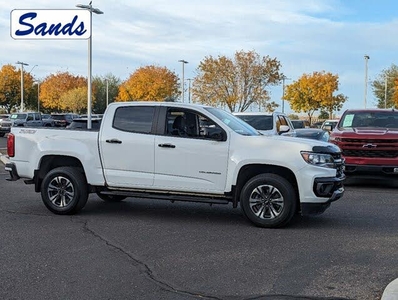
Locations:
(38, 95)
(182, 84)
(283, 92)
(89, 77)
(366, 76)
(189, 90)
(22, 64)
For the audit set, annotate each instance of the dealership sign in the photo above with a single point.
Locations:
(50, 24)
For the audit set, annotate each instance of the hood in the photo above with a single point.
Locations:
(366, 131)
(308, 144)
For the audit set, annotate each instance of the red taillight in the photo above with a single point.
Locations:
(10, 145)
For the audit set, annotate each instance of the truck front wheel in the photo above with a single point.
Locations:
(268, 200)
(64, 190)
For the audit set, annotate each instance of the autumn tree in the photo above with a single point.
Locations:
(55, 86)
(313, 92)
(385, 88)
(102, 84)
(238, 82)
(75, 100)
(10, 88)
(150, 83)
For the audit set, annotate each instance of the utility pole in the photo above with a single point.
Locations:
(189, 90)
(182, 83)
(283, 92)
(22, 64)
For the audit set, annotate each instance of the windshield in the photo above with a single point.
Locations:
(260, 122)
(232, 122)
(18, 116)
(383, 119)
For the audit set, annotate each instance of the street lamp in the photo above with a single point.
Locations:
(38, 95)
(189, 90)
(366, 76)
(183, 63)
(89, 77)
(22, 64)
(107, 92)
(283, 92)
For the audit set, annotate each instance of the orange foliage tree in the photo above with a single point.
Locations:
(55, 86)
(313, 92)
(149, 83)
(238, 82)
(10, 88)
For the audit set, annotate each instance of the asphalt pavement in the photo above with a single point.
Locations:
(390, 292)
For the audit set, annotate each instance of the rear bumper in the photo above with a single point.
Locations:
(12, 169)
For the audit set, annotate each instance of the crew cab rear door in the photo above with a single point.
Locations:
(191, 152)
(127, 146)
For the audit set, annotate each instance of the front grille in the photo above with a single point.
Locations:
(371, 153)
(339, 164)
(368, 141)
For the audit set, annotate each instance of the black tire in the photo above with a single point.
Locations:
(64, 190)
(111, 198)
(268, 200)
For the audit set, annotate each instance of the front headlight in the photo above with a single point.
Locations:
(318, 159)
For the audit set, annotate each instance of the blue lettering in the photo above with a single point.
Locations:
(53, 29)
(30, 15)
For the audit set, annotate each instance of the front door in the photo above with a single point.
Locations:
(190, 155)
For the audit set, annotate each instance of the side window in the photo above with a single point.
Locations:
(190, 124)
(137, 119)
(30, 117)
(37, 117)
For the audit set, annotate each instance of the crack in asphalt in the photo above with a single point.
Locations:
(145, 268)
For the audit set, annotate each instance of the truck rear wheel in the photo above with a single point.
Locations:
(268, 200)
(64, 190)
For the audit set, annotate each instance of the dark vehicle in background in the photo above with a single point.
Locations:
(329, 125)
(313, 133)
(317, 124)
(63, 120)
(48, 121)
(5, 124)
(368, 139)
(81, 123)
(300, 124)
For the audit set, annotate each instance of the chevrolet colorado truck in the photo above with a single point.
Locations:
(369, 141)
(178, 152)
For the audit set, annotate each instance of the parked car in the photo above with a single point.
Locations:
(5, 124)
(369, 141)
(48, 121)
(300, 124)
(26, 119)
(317, 124)
(81, 123)
(329, 125)
(313, 133)
(63, 120)
(274, 123)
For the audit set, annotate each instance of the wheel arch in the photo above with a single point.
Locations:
(251, 170)
(49, 162)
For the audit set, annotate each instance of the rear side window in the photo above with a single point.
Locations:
(137, 119)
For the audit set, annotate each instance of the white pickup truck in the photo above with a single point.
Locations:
(178, 152)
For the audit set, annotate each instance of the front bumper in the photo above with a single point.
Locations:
(331, 188)
(371, 170)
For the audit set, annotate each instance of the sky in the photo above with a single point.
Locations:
(305, 36)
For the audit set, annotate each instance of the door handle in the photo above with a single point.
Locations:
(114, 141)
(167, 145)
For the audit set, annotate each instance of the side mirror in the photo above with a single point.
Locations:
(327, 127)
(283, 129)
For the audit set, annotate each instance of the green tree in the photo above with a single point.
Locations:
(150, 83)
(102, 84)
(313, 92)
(323, 115)
(386, 81)
(236, 83)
